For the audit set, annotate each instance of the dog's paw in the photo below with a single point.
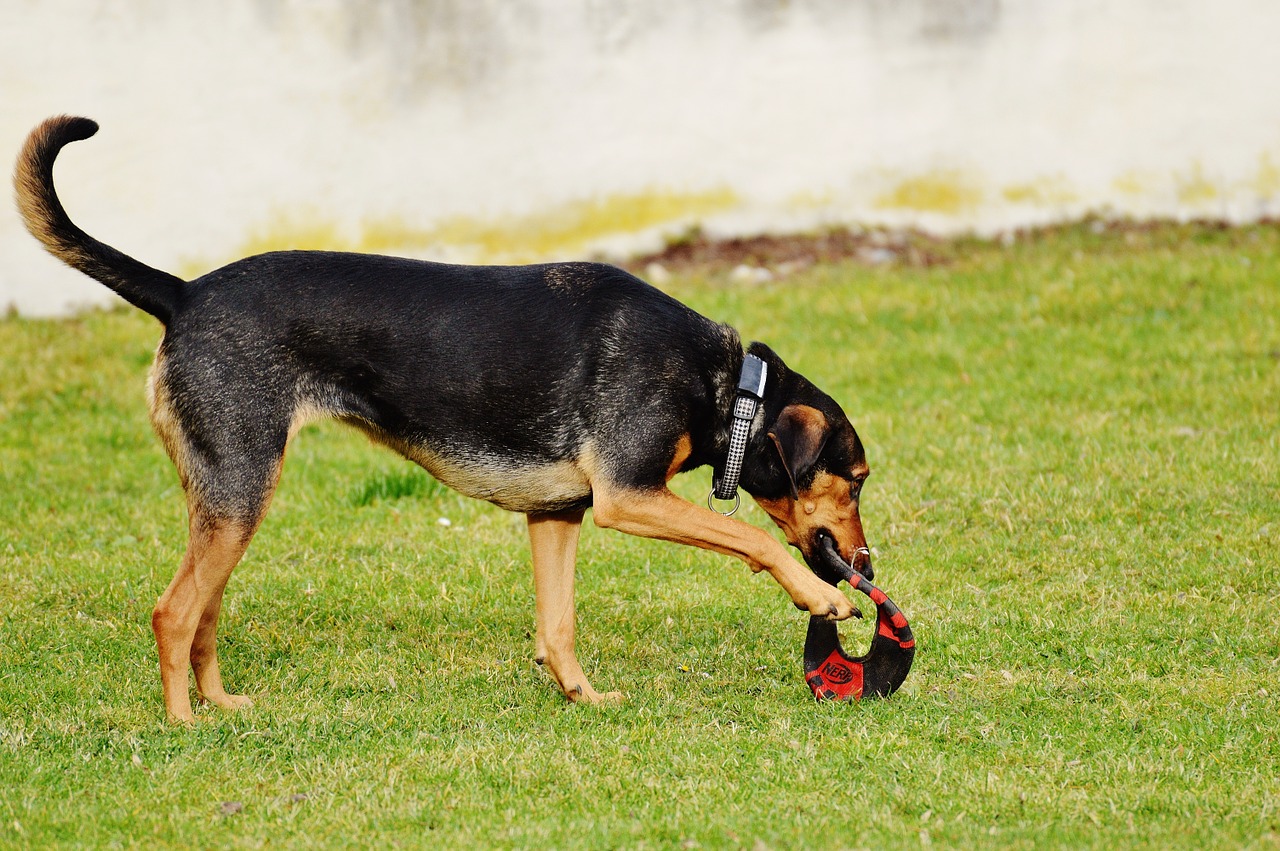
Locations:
(586, 694)
(826, 601)
(180, 719)
(229, 702)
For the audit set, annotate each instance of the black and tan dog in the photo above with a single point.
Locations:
(543, 389)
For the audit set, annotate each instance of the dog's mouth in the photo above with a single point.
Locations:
(825, 561)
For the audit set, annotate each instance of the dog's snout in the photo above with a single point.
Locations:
(828, 562)
(862, 563)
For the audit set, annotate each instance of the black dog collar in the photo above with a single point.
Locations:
(751, 381)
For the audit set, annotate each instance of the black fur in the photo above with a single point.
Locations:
(476, 363)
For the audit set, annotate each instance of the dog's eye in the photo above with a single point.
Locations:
(855, 489)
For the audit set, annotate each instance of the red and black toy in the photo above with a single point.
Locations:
(834, 675)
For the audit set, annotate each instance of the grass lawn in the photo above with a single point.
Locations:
(1075, 444)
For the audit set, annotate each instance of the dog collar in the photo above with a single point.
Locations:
(751, 382)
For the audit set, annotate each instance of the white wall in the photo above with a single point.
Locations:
(487, 130)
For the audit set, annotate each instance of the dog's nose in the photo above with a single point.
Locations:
(862, 563)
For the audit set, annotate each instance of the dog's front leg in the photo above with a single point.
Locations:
(662, 514)
(554, 541)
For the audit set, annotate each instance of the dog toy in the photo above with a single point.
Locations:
(834, 675)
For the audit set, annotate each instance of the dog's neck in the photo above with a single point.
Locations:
(762, 472)
(747, 406)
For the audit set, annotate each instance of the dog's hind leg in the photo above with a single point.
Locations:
(186, 614)
(229, 459)
(554, 541)
(204, 651)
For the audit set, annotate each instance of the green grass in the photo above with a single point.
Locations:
(1076, 499)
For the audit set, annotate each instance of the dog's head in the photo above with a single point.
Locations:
(807, 471)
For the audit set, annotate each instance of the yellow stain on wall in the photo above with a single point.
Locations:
(1194, 188)
(296, 231)
(561, 230)
(1267, 181)
(1133, 183)
(1043, 191)
(573, 226)
(947, 191)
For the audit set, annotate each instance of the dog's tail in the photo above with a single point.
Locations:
(156, 292)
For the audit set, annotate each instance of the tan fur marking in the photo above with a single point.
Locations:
(810, 417)
(165, 421)
(684, 448)
(827, 504)
(304, 415)
(29, 187)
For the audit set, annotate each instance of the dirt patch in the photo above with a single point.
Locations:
(782, 254)
(757, 259)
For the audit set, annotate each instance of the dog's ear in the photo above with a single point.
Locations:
(799, 433)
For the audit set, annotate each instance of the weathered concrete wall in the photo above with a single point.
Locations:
(483, 129)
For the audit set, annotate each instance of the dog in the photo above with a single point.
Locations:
(544, 389)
